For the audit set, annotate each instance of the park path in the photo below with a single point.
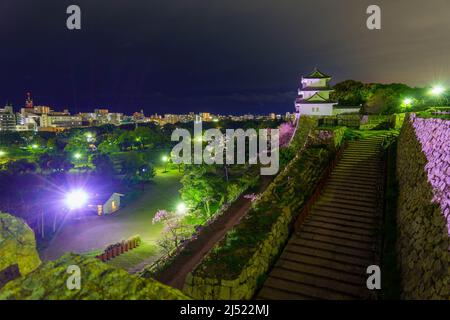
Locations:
(95, 233)
(193, 253)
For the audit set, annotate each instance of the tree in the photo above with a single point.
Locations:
(146, 173)
(175, 231)
(349, 93)
(103, 164)
(54, 162)
(109, 145)
(136, 168)
(385, 100)
(21, 166)
(204, 187)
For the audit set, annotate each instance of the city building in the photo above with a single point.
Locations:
(60, 120)
(206, 116)
(7, 119)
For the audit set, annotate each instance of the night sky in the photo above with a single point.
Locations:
(233, 56)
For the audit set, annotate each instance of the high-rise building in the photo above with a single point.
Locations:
(7, 119)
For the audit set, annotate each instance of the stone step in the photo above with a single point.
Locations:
(349, 206)
(321, 271)
(355, 176)
(348, 185)
(375, 167)
(363, 162)
(333, 209)
(357, 200)
(269, 293)
(334, 192)
(356, 170)
(319, 282)
(317, 261)
(337, 234)
(345, 217)
(339, 241)
(343, 222)
(330, 255)
(347, 229)
(334, 247)
(304, 289)
(369, 164)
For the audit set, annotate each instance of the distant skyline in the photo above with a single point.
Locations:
(222, 57)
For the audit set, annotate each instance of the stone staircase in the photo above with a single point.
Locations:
(328, 256)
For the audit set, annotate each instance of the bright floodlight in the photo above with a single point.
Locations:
(181, 208)
(76, 199)
(437, 90)
(407, 102)
(165, 158)
(77, 155)
(2, 153)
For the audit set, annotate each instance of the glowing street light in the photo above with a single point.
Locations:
(76, 199)
(407, 102)
(77, 155)
(181, 208)
(437, 90)
(34, 146)
(165, 159)
(2, 153)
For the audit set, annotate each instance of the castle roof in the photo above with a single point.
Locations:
(315, 98)
(316, 74)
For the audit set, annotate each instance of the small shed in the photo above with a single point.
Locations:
(106, 204)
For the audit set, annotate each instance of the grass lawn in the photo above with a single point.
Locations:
(92, 235)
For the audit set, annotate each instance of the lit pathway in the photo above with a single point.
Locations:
(192, 255)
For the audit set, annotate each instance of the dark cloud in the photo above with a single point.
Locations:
(223, 56)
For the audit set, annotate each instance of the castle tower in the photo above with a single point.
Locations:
(314, 95)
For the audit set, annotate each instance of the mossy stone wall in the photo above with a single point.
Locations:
(423, 243)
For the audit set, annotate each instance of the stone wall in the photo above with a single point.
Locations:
(237, 265)
(423, 240)
(18, 255)
(98, 281)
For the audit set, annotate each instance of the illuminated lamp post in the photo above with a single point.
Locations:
(76, 199)
(165, 159)
(438, 91)
(181, 208)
